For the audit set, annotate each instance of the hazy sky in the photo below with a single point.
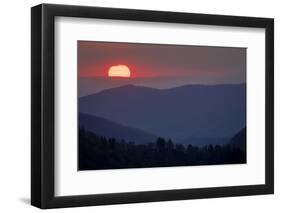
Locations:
(182, 63)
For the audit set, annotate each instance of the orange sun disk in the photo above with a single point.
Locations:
(119, 71)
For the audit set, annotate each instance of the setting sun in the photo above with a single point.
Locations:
(119, 71)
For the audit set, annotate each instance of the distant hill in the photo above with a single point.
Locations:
(190, 111)
(90, 85)
(109, 129)
(239, 140)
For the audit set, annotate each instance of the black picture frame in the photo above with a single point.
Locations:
(43, 117)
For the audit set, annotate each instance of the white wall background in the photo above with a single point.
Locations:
(15, 106)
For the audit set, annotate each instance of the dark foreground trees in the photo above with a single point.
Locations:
(97, 152)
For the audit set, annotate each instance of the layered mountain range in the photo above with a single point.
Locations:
(190, 114)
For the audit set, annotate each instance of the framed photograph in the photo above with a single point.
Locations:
(139, 106)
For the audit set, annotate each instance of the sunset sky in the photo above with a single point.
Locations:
(156, 65)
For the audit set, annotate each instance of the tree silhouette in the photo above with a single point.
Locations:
(98, 152)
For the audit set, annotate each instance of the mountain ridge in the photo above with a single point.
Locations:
(178, 113)
(110, 129)
(132, 86)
